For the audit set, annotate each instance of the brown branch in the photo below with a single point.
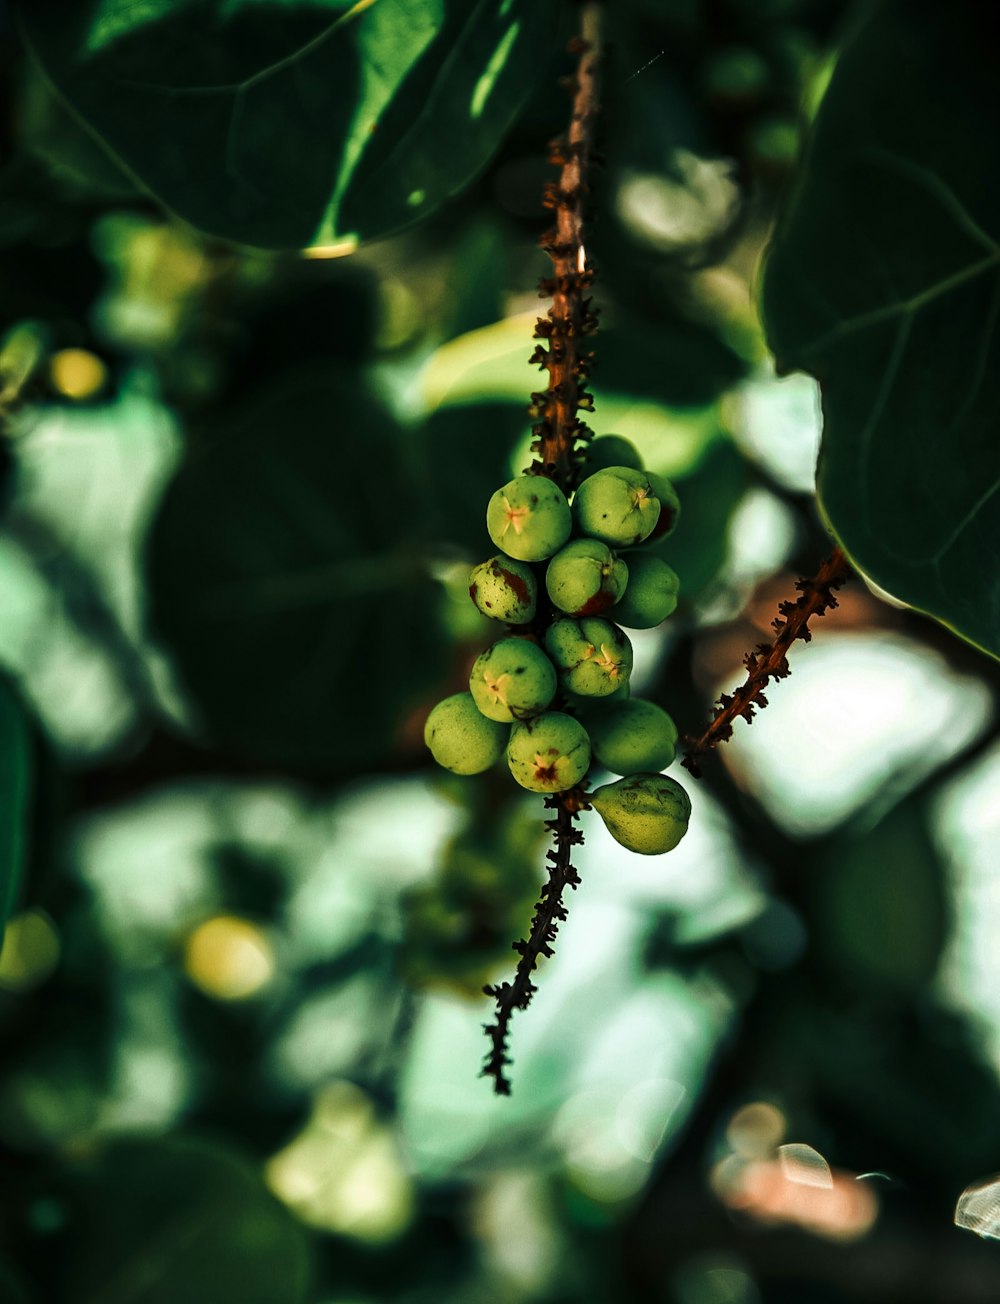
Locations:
(770, 660)
(571, 318)
(549, 913)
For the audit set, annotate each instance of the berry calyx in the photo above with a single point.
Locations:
(550, 753)
(593, 656)
(617, 505)
(529, 518)
(512, 680)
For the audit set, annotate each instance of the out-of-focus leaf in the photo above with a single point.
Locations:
(162, 1221)
(677, 362)
(709, 495)
(884, 283)
(16, 768)
(13, 1288)
(681, 362)
(284, 126)
(286, 578)
(882, 904)
(465, 454)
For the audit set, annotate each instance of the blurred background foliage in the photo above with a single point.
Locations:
(239, 1004)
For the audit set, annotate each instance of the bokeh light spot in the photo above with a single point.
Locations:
(30, 951)
(229, 958)
(77, 373)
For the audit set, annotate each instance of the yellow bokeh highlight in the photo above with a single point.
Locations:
(30, 952)
(77, 373)
(229, 958)
(344, 1172)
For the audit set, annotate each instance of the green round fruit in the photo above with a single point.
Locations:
(585, 577)
(610, 450)
(529, 518)
(617, 505)
(550, 753)
(512, 680)
(593, 657)
(632, 737)
(670, 506)
(651, 595)
(647, 813)
(461, 738)
(505, 590)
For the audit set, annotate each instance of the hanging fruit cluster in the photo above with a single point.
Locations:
(553, 694)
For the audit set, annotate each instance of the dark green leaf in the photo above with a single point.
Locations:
(882, 904)
(163, 1221)
(287, 580)
(285, 126)
(16, 767)
(13, 1289)
(677, 360)
(466, 458)
(884, 282)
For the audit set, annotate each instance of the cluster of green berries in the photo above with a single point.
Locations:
(553, 701)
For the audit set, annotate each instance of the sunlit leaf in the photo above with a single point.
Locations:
(285, 581)
(16, 766)
(884, 282)
(323, 123)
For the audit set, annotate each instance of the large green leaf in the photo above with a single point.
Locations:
(287, 580)
(163, 1221)
(884, 282)
(284, 125)
(16, 764)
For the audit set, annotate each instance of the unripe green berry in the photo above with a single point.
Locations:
(670, 506)
(505, 590)
(512, 680)
(610, 450)
(529, 518)
(647, 813)
(593, 657)
(550, 753)
(460, 736)
(651, 595)
(632, 737)
(585, 577)
(617, 505)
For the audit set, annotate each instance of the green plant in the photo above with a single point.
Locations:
(276, 491)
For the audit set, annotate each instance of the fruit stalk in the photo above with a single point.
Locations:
(571, 318)
(549, 913)
(770, 660)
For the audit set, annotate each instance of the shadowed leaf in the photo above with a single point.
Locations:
(884, 283)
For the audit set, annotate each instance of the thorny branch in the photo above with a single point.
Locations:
(549, 913)
(770, 660)
(558, 435)
(571, 318)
